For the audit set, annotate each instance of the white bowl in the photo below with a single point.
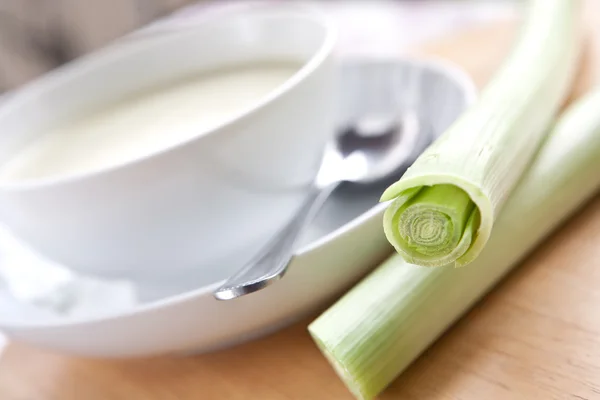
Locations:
(345, 242)
(199, 205)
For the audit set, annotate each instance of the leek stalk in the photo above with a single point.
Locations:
(378, 328)
(444, 206)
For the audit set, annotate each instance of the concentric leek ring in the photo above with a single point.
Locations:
(427, 230)
(432, 226)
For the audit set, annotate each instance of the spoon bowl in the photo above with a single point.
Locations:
(379, 151)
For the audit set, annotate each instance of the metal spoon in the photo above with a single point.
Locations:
(367, 151)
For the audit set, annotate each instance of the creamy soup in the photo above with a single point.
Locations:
(147, 123)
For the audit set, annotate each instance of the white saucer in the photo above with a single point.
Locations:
(45, 305)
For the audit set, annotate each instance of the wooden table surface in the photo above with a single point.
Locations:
(537, 336)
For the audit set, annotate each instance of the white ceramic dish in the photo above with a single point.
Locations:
(345, 242)
(206, 202)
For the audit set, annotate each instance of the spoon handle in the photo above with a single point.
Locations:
(271, 263)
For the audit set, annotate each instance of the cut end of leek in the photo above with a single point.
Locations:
(438, 223)
(432, 226)
(354, 386)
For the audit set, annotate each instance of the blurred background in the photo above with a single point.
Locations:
(39, 35)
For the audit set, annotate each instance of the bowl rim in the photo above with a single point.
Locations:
(140, 43)
(450, 70)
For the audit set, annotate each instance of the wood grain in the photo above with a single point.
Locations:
(537, 336)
